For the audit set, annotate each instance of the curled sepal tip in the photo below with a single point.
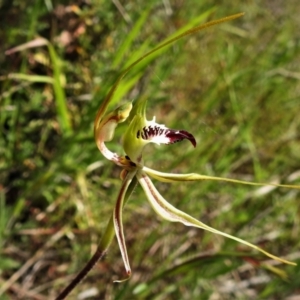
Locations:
(125, 279)
(104, 128)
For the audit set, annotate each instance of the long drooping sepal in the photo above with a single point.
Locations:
(170, 213)
(109, 97)
(141, 132)
(169, 177)
(102, 248)
(118, 224)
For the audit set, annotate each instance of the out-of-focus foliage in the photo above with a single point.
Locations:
(235, 87)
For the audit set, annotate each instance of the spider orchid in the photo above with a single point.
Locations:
(138, 134)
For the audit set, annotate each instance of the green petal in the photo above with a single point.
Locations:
(133, 146)
(170, 213)
(169, 177)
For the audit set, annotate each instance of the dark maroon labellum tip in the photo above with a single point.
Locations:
(179, 135)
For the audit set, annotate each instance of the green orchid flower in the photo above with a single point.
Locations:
(139, 133)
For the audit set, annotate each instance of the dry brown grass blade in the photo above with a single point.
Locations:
(38, 254)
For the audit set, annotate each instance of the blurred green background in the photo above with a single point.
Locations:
(234, 86)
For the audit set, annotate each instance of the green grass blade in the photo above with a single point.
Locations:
(31, 78)
(154, 52)
(130, 38)
(60, 97)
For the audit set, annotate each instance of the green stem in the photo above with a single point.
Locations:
(101, 249)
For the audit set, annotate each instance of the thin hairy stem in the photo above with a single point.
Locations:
(82, 274)
(101, 249)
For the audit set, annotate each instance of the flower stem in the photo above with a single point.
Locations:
(101, 249)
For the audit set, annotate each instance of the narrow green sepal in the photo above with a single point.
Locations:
(133, 144)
